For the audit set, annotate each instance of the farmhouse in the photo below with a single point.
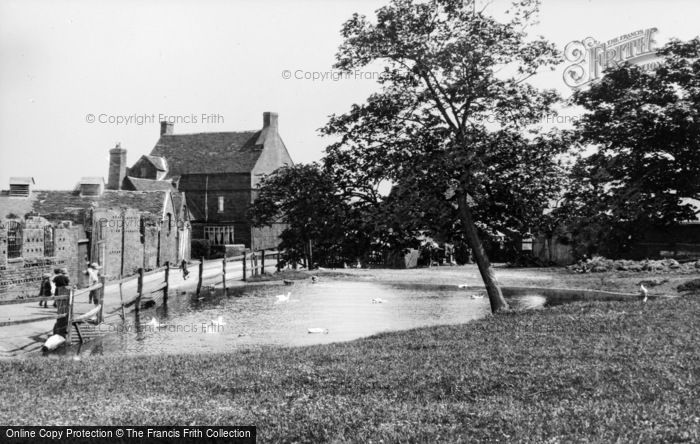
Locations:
(219, 172)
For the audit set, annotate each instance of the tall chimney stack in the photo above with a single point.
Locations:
(117, 167)
(270, 119)
(166, 128)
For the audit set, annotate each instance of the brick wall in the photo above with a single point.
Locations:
(168, 235)
(151, 234)
(24, 274)
(107, 241)
(133, 247)
(3, 245)
(110, 227)
(33, 238)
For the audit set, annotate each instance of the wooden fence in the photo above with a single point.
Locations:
(252, 264)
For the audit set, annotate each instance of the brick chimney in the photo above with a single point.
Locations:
(166, 128)
(117, 167)
(270, 120)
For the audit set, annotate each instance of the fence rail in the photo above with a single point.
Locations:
(253, 264)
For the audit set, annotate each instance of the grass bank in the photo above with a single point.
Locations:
(621, 281)
(586, 371)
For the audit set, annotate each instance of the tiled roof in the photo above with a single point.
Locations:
(138, 184)
(233, 152)
(47, 203)
(18, 206)
(158, 162)
(151, 201)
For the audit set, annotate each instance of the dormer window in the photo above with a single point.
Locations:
(21, 186)
(19, 190)
(91, 186)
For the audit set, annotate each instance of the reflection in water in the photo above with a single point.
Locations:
(252, 316)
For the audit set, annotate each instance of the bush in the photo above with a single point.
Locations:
(200, 248)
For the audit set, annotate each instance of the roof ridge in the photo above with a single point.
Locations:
(209, 132)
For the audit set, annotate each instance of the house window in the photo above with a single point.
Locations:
(219, 234)
(170, 223)
(49, 241)
(144, 172)
(221, 204)
(14, 239)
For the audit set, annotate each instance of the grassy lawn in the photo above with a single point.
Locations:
(622, 281)
(601, 372)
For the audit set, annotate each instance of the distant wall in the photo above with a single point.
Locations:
(267, 238)
(24, 273)
(551, 249)
(680, 242)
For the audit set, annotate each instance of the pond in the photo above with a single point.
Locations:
(252, 316)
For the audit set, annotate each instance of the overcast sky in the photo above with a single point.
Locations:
(61, 61)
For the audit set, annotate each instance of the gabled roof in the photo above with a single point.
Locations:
(158, 162)
(232, 152)
(137, 184)
(151, 201)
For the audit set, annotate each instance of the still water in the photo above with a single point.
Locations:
(251, 317)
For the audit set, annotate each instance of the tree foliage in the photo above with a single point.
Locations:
(309, 202)
(447, 70)
(645, 127)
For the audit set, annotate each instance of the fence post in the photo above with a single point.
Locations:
(262, 262)
(121, 299)
(223, 274)
(103, 282)
(201, 271)
(69, 317)
(139, 289)
(278, 261)
(245, 259)
(167, 279)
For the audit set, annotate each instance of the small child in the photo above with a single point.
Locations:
(45, 290)
(185, 271)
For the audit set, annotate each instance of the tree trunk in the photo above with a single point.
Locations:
(498, 303)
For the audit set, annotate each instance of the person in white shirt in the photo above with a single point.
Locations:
(93, 278)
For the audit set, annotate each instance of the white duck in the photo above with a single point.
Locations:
(153, 323)
(643, 292)
(378, 301)
(283, 298)
(218, 322)
(318, 330)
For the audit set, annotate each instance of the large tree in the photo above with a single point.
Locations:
(448, 70)
(645, 127)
